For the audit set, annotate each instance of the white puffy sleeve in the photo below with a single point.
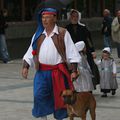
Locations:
(114, 67)
(72, 53)
(28, 57)
(97, 62)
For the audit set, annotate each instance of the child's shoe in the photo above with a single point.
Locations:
(104, 95)
(113, 92)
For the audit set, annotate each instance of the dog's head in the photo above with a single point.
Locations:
(69, 96)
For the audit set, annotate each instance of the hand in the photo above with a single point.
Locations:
(74, 76)
(114, 75)
(25, 73)
(105, 30)
(94, 55)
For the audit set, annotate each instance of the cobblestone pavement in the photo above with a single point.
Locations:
(16, 95)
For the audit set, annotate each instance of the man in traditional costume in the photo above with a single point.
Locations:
(50, 50)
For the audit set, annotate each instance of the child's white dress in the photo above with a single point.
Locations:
(84, 81)
(107, 68)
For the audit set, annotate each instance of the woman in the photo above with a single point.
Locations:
(79, 32)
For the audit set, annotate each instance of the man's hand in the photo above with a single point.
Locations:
(114, 75)
(25, 73)
(74, 75)
(94, 55)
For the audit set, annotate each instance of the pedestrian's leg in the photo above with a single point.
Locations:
(107, 41)
(3, 49)
(105, 38)
(118, 49)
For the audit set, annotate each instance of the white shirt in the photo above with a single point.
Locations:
(48, 53)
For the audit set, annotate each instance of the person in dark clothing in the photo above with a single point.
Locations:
(79, 32)
(106, 28)
(3, 46)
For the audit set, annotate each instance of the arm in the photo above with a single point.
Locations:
(104, 26)
(114, 68)
(97, 62)
(27, 61)
(28, 57)
(115, 25)
(72, 54)
(89, 41)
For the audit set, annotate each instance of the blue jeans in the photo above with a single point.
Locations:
(107, 41)
(3, 49)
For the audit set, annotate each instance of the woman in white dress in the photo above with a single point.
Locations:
(108, 70)
(84, 81)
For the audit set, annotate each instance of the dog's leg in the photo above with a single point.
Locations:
(71, 117)
(92, 109)
(92, 113)
(83, 116)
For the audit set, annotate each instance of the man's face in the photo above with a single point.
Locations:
(48, 20)
(74, 18)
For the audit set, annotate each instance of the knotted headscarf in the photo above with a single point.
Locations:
(40, 27)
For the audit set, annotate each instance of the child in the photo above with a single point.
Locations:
(84, 81)
(108, 72)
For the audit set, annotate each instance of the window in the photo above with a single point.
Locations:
(13, 8)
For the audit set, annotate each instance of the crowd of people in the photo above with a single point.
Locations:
(65, 58)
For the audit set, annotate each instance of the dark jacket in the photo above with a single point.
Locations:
(106, 25)
(81, 33)
(3, 24)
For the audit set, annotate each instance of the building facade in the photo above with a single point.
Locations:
(24, 10)
(21, 27)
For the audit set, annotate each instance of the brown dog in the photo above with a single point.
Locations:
(79, 103)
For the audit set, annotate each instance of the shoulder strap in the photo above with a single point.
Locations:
(59, 42)
(39, 42)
